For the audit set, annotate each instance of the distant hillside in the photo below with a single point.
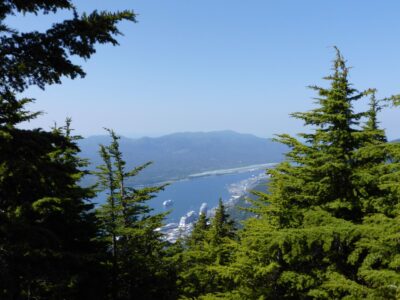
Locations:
(181, 154)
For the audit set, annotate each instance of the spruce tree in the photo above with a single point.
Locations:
(138, 257)
(222, 233)
(320, 228)
(221, 225)
(42, 58)
(47, 229)
(200, 230)
(208, 248)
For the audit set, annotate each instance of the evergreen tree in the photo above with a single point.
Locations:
(42, 58)
(47, 229)
(138, 261)
(193, 259)
(372, 158)
(320, 228)
(221, 226)
(208, 248)
(200, 229)
(47, 226)
(222, 233)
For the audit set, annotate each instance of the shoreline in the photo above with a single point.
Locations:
(175, 230)
(219, 172)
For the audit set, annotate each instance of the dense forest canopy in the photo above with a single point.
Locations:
(328, 227)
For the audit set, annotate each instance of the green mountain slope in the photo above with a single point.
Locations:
(181, 154)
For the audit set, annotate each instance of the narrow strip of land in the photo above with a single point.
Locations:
(233, 170)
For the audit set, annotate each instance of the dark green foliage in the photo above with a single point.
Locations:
(47, 226)
(13, 111)
(208, 249)
(222, 226)
(200, 230)
(321, 227)
(328, 227)
(137, 252)
(42, 58)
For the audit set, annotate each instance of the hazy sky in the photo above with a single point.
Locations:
(218, 64)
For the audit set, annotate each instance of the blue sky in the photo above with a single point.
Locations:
(214, 65)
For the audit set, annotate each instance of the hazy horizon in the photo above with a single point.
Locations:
(155, 135)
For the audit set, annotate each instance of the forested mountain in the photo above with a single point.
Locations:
(181, 154)
(328, 227)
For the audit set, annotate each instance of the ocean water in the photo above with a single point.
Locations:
(189, 194)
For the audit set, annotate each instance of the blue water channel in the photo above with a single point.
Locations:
(189, 194)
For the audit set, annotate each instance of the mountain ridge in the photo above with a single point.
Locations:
(178, 155)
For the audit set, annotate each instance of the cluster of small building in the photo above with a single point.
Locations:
(173, 231)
